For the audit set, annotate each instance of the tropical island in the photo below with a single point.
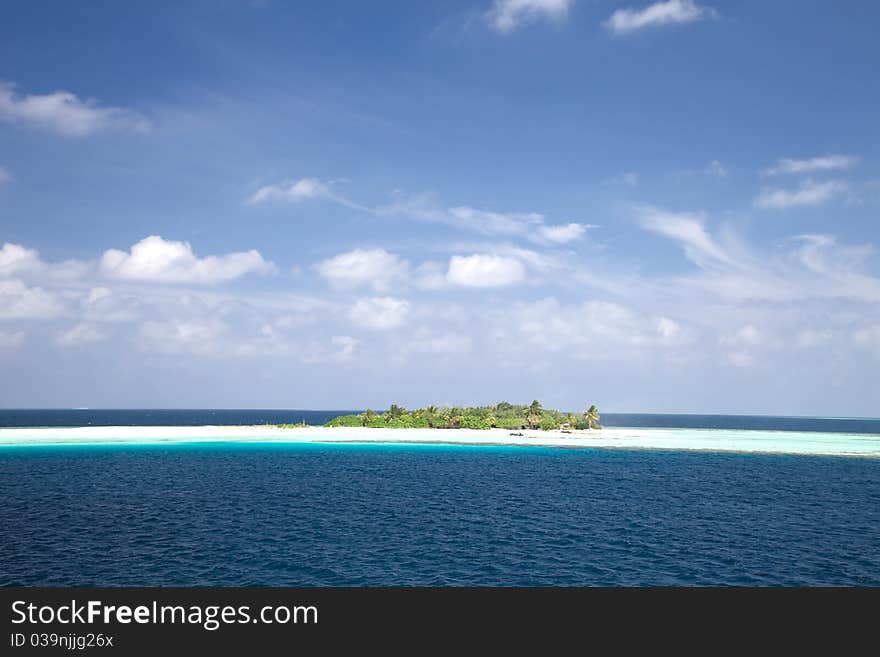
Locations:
(502, 415)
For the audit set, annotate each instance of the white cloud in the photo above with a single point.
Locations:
(379, 313)
(64, 113)
(11, 339)
(507, 15)
(809, 193)
(182, 335)
(166, 261)
(5, 176)
(346, 346)
(595, 324)
(484, 270)
(304, 189)
(15, 259)
(740, 359)
(808, 338)
(82, 333)
(749, 335)
(298, 190)
(668, 329)
(361, 267)
(495, 223)
(18, 301)
(625, 21)
(716, 169)
(562, 233)
(630, 179)
(868, 336)
(818, 269)
(426, 340)
(788, 165)
(689, 230)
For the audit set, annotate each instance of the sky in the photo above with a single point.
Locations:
(657, 207)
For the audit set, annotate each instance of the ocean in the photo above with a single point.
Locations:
(380, 514)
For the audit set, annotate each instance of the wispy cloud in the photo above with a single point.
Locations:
(11, 339)
(531, 226)
(5, 176)
(507, 15)
(303, 189)
(626, 21)
(823, 163)
(689, 230)
(808, 193)
(716, 169)
(66, 114)
(82, 333)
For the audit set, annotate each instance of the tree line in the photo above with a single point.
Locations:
(502, 415)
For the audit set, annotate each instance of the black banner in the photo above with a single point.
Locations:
(130, 621)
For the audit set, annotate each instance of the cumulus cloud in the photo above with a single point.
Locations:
(166, 261)
(18, 301)
(788, 165)
(82, 333)
(15, 259)
(484, 270)
(626, 21)
(66, 114)
(507, 15)
(379, 313)
(364, 267)
(809, 193)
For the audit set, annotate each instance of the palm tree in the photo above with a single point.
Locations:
(368, 416)
(533, 417)
(396, 412)
(591, 416)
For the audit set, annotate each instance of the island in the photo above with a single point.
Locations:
(502, 415)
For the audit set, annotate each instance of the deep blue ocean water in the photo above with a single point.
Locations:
(312, 514)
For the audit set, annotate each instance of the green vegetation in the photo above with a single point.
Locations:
(502, 415)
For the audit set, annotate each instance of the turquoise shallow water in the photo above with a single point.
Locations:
(319, 514)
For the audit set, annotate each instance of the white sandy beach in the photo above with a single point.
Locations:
(718, 440)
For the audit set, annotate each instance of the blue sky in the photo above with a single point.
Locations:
(666, 206)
